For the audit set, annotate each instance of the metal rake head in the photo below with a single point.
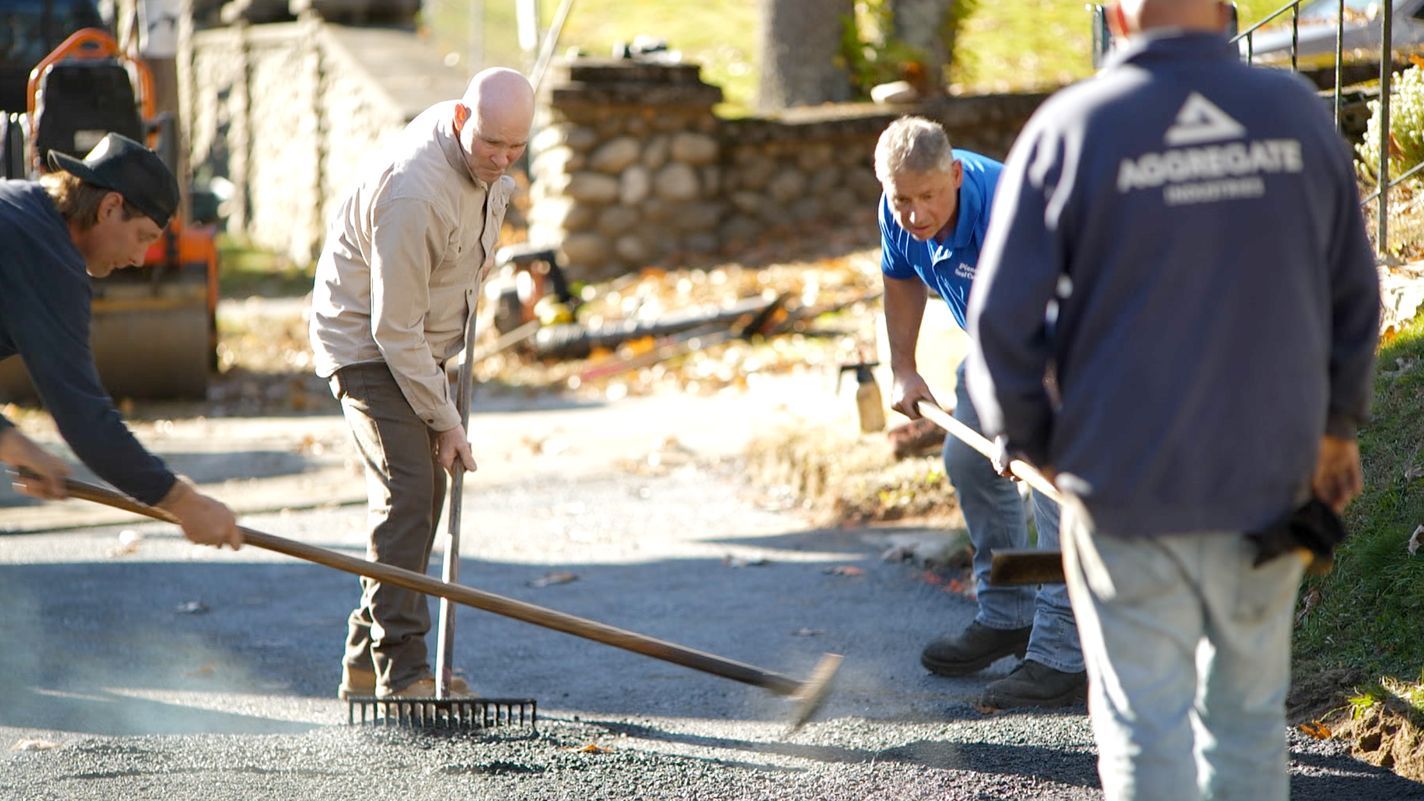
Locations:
(443, 713)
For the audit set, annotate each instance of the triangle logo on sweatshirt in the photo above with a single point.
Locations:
(1199, 120)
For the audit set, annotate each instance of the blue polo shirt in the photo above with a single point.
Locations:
(946, 267)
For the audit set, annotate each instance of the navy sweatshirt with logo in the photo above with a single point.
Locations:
(1180, 240)
(44, 317)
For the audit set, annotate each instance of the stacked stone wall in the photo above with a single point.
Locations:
(290, 115)
(631, 166)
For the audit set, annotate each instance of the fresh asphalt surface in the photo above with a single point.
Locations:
(172, 672)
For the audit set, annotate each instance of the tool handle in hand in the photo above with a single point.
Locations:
(1023, 470)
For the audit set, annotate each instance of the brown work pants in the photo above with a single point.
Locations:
(405, 489)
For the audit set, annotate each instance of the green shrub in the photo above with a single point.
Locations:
(1406, 128)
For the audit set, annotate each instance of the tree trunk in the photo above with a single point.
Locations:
(927, 26)
(800, 42)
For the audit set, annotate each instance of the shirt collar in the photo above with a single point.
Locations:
(971, 205)
(1172, 43)
(450, 144)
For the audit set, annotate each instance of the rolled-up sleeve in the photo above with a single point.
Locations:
(408, 239)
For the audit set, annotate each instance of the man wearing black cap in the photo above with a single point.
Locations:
(87, 218)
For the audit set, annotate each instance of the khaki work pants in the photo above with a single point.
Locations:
(405, 488)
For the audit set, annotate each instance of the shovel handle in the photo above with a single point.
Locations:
(1021, 469)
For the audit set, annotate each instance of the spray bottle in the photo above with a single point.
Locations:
(868, 404)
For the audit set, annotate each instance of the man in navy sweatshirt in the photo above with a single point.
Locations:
(87, 218)
(1179, 242)
(933, 216)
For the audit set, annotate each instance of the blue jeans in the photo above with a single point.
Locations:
(995, 515)
(1188, 652)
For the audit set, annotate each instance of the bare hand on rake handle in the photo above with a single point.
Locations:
(41, 473)
(452, 446)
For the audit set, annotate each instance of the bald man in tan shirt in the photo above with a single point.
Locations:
(396, 285)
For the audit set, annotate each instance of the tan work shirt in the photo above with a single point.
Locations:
(399, 276)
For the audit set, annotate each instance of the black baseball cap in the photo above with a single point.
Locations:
(127, 167)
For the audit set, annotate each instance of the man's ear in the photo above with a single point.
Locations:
(112, 203)
(462, 116)
(1224, 12)
(957, 173)
(1117, 21)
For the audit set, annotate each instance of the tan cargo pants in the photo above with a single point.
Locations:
(405, 489)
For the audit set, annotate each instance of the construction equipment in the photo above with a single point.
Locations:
(808, 695)
(154, 328)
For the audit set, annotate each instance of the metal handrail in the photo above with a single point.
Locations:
(1386, 73)
(1409, 173)
(1294, 4)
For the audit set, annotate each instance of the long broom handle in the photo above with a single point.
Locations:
(450, 567)
(479, 599)
(1023, 470)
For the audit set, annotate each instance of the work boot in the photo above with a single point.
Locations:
(973, 649)
(356, 682)
(1036, 684)
(425, 688)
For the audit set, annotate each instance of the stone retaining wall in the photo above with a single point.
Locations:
(632, 167)
(288, 112)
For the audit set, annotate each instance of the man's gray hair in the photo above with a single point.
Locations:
(912, 144)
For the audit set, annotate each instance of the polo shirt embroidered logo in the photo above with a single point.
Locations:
(964, 270)
(1199, 120)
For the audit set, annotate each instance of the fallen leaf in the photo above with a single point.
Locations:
(1315, 729)
(192, 608)
(34, 745)
(594, 748)
(844, 570)
(1414, 541)
(550, 579)
(206, 670)
(1414, 472)
(932, 578)
(808, 632)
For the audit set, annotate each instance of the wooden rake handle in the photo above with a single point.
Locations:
(807, 693)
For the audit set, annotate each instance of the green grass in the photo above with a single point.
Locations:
(246, 271)
(1038, 44)
(1370, 606)
(1025, 44)
(721, 35)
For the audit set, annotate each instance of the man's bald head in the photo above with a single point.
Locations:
(1135, 16)
(492, 121)
(499, 90)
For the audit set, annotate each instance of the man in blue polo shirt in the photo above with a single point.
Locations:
(933, 215)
